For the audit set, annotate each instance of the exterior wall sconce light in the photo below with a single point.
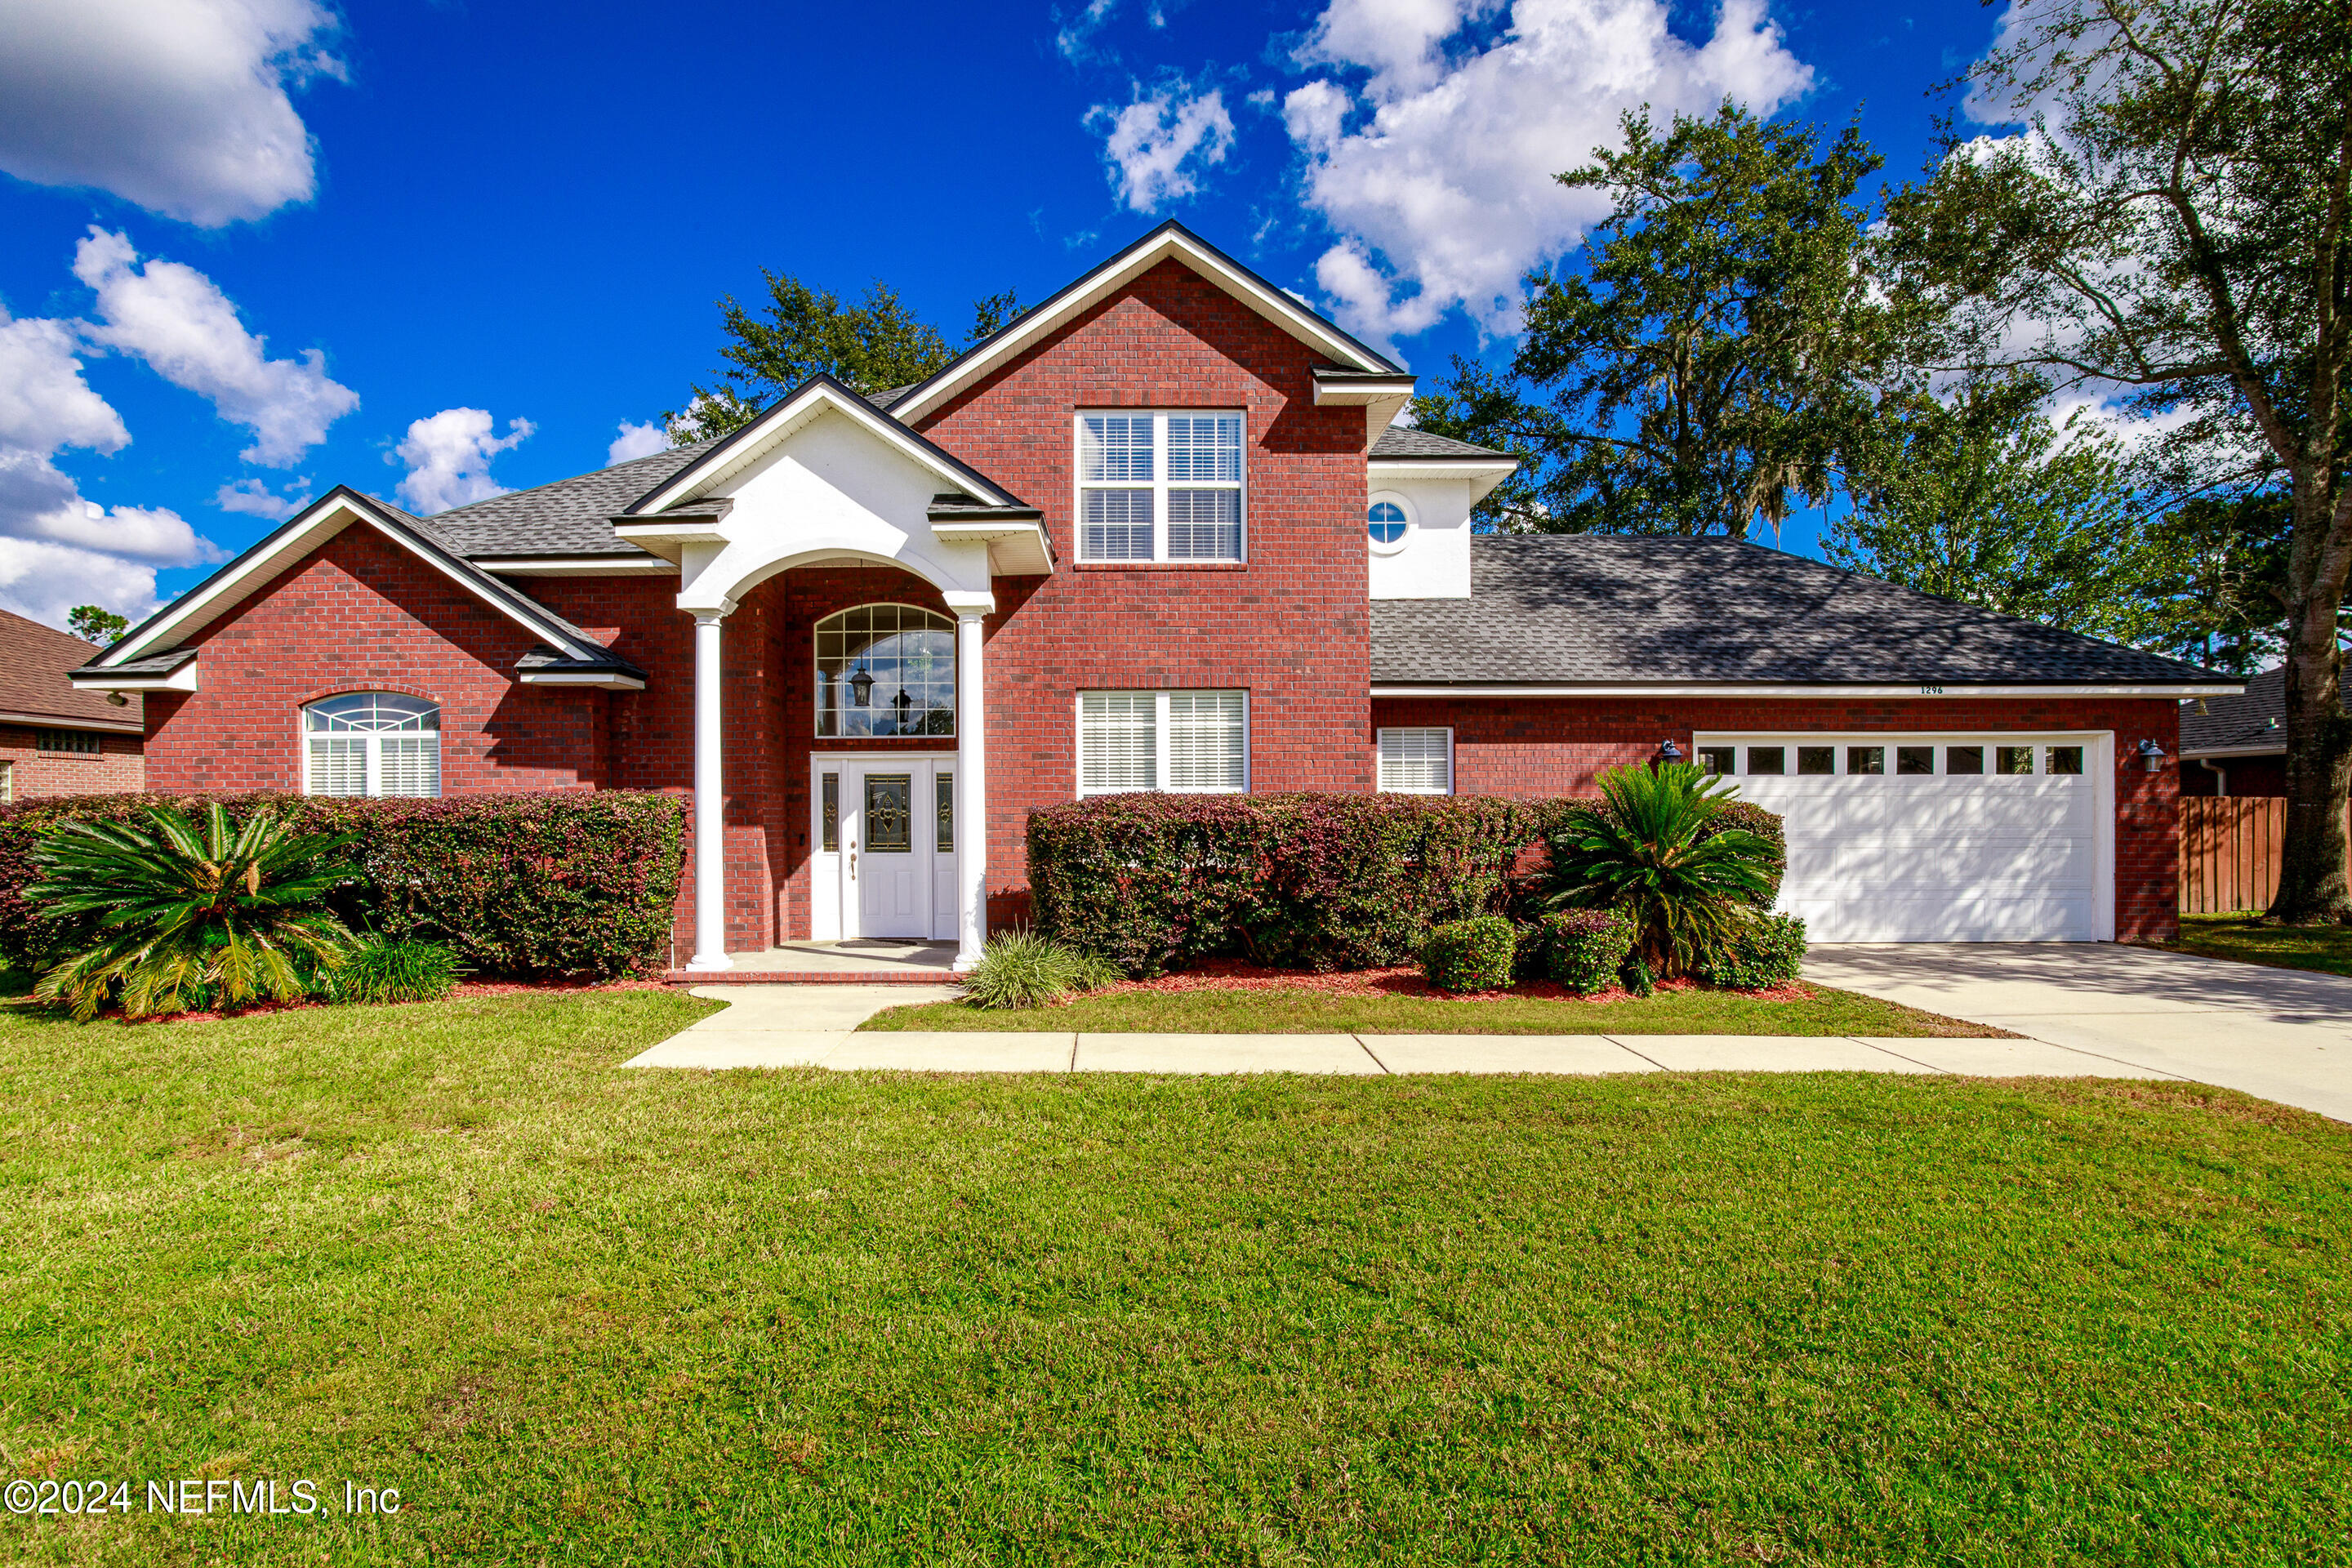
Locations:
(2151, 757)
(1669, 752)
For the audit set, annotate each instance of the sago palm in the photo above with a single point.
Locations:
(176, 915)
(1648, 851)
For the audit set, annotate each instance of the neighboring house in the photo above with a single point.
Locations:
(56, 739)
(1160, 532)
(2237, 745)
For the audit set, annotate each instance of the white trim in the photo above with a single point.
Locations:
(1403, 503)
(1478, 688)
(1015, 549)
(816, 628)
(580, 566)
(1160, 732)
(1482, 473)
(829, 916)
(779, 422)
(1163, 244)
(181, 679)
(607, 680)
(710, 955)
(371, 752)
(56, 721)
(1159, 485)
(2278, 750)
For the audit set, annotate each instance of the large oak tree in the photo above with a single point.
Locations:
(2169, 225)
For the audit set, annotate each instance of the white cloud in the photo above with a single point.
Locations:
(1442, 195)
(180, 106)
(448, 457)
(255, 498)
(57, 548)
(178, 320)
(1075, 39)
(1151, 140)
(637, 441)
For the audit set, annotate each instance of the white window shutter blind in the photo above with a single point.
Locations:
(1118, 741)
(339, 766)
(410, 765)
(1207, 741)
(1417, 760)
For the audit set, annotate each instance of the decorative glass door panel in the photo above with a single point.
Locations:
(882, 848)
(890, 813)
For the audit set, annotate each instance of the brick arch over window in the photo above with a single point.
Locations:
(885, 669)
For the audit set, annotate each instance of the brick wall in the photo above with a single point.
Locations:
(1553, 747)
(1289, 628)
(116, 768)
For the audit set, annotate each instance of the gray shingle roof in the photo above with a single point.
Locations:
(1405, 441)
(569, 517)
(1591, 609)
(2254, 717)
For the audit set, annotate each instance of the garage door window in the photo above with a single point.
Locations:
(1768, 759)
(1719, 759)
(1816, 758)
(1915, 760)
(1964, 759)
(2064, 759)
(1866, 759)
(2016, 759)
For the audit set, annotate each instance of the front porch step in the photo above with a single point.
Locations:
(809, 977)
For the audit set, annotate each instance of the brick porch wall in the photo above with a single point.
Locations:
(1553, 747)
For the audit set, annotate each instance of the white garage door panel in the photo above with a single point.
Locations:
(1938, 857)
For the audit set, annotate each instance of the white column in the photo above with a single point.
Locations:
(971, 791)
(709, 800)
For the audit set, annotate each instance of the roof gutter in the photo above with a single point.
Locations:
(1507, 688)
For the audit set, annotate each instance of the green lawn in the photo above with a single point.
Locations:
(584, 1316)
(2244, 937)
(1232, 1012)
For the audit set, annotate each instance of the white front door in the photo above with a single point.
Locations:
(885, 847)
(1937, 837)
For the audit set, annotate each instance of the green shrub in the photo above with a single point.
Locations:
(572, 883)
(1584, 949)
(1470, 956)
(1023, 969)
(1656, 849)
(1636, 977)
(165, 915)
(380, 971)
(1313, 881)
(1768, 950)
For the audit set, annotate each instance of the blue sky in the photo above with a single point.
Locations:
(251, 248)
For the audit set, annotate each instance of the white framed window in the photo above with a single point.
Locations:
(1159, 487)
(372, 743)
(885, 669)
(1417, 760)
(1187, 743)
(1387, 523)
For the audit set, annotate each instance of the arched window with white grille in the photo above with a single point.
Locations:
(372, 743)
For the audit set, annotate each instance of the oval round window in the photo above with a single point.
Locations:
(1385, 521)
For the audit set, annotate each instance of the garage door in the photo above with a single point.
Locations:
(1978, 837)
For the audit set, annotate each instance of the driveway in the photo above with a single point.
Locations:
(2282, 1034)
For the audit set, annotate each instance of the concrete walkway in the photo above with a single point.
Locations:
(2280, 1034)
(781, 1027)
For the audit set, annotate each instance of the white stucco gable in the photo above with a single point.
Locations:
(823, 476)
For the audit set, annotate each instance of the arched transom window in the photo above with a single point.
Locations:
(885, 669)
(372, 743)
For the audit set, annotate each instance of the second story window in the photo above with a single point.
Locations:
(1159, 487)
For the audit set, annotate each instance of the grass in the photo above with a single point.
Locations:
(2245, 938)
(578, 1315)
(1303, 1011)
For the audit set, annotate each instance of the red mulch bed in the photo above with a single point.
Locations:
(1402, 980)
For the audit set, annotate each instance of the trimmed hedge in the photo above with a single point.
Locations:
(1470, 956)
(1768, 953)
(1584, 949)
(561, 883)
(1154, 882)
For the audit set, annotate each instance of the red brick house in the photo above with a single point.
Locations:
(2237, 745)
(55, 740)
(1159, 533)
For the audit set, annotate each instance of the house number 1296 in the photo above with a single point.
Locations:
(1931, 691)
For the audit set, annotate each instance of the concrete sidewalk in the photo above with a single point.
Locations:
(780, 1027)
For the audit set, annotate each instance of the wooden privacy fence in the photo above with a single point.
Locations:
(2229, 852)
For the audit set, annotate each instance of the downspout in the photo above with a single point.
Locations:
(2220, 775)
